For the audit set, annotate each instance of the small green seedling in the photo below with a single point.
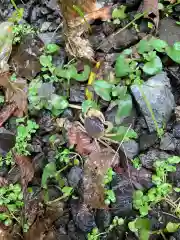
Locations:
(136, 163)
(24, 132)
(11, 197)
(8, 159)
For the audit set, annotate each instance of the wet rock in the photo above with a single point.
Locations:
(108, 28)
(7, 141)
(132, 3)
(44, 10)
(82, 216)
(51, 4)
(46, 90)
(174, 73)
(51, 37)
(176, 130)
(124, 191)
(103, 219)
(141, 179)
(96, 39)
(119, 41)
(35, 14)
(158, 93)
(46, 123)
(26, 60)
(74, 176)
(68, 113)
(73, 233)
(169, 31)
(77, 93)
(45, 26)
(168, 143)
(147, 140)
(131, 148)
(151, 156)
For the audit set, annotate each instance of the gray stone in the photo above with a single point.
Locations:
(131, 148)
(151, 156)
(74, 176)
(176, 130)
(51, 37)
(119, 40)
(169, 31)
(168, 143)
(45, 26)
(147, 140)
(158, 94)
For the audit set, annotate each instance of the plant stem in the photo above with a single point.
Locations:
(56, 200)
(75, 106)
(14, 5)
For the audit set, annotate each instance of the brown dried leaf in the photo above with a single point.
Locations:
(18, 94)
(94, 170)
(84, 144)
(26, 168)
(6, 112)
(3, 181)
(15, 92)
(151, 8)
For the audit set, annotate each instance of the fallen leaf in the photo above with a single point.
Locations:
(151, 8)
(16, 92)
(95, 168)
(6, 112)
(3, 181)
(84, 144)
(26, 168)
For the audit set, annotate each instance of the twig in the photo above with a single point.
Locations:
(75, 106)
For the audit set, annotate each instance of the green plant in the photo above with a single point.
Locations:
(8, 159)
(109, 176)
(20, 30)
(95, 234)
(136, 163)
(24, 132)
(144, 201)
(109, 196)
(11, 202)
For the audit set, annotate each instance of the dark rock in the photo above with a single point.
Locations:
(59, 58)
(7, 141)
(178, 148)
(68, 113)
(147, 140)
(141, 179)
(119, 40)
(175, 176)
(46, 90)
(103, 219)
(73, 233)
(169, 31)
(96, 39)
(26, 60)
(51, 37)
(158, 93)
(35, 14)
(46, 123)
(174, 73)
(77, 94)
(82, 216)
(74, 176)
(168, 143)
(131, 148)
(124, 191)
(44, 10)
(151, 156)
(39, 162)
(132, 3)
(108, 28)
(51, 4)
(175, 236)
(53, 27)
(53, 193)
(45, 26)
(176, 131)
(3, 170)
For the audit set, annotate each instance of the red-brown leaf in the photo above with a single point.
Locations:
(6, 112)
(3, 181)
(94, 170)
(26, 168)
(151, 8)
(84, 144)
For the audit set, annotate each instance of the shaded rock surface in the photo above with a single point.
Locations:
(131, 148)
(158, 93)
(147, 159)
(168, 143)
(169, 31)
(147, 140)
